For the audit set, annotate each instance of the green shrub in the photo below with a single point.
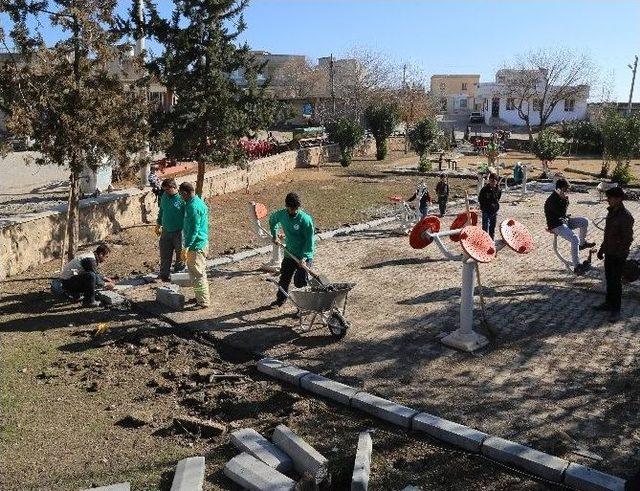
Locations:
(382, 118)
(424, 136)
(347, 134)
(622, 174)
(548, 146)
(425, 164)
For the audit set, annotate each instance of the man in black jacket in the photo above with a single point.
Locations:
(80, 276)
(489, 199)
(618, 236)
(442, 192)
(559, 223)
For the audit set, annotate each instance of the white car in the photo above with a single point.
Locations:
(476, 117)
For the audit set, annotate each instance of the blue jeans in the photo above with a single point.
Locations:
(566, 232)
(489, 222)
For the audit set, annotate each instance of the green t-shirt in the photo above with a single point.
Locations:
(171, 214)
(298, 231)
(195, 233)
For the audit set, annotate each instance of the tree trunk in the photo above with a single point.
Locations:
(74, 216)
(200, 178)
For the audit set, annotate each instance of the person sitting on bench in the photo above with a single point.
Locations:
(424, 199)
(561, 224)
(80, 276)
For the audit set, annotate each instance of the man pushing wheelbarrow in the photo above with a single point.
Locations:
(300, 245)
(323, 301)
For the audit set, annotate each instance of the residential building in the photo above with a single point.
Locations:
(594, 109)
(501, 99)
(457, 93)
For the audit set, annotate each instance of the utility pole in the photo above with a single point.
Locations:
(331, 82)
(633, 81)
(406, 112)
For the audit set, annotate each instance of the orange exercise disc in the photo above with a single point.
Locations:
(461, 221)
(395, 199)
(477, 244)
(516, 236)
(430, 224)
(260, 210)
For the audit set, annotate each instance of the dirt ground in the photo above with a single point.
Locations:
(559, 382)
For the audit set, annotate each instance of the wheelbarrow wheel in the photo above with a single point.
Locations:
(337, 325)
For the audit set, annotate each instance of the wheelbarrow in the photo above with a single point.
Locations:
(326, 303)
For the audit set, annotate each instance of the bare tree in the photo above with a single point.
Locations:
(413, 100)
(538, 81)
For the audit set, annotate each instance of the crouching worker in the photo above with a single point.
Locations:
(618, 236)
(299, 237)
(169, 228)
(559, 223)
(80, 276)
(195, 233)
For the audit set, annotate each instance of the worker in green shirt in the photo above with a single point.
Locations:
(299, 236)
(169, 228)
(195, 234)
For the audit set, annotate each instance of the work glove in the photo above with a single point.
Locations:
(158, 230)
(600, 255)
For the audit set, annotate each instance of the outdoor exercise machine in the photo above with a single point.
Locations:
(257, 212)
(477, 247)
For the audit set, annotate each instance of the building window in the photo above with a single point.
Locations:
(511, 104)
(536, 104)
(463, 103)
(464, 85)
(569, 105)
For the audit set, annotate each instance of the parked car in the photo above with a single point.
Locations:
(476, 117)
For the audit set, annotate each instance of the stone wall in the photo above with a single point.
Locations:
(33, 239)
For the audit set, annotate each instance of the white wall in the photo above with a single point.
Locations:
(558, 114)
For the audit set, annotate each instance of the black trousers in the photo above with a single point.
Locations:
(289, 269)
(82, 284)
(613, 267)
(442, 204)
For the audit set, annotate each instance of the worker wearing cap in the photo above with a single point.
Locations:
(618, 236)
(299, 234)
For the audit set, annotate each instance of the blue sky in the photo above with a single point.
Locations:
(463, 36)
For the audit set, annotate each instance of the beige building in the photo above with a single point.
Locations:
(457, 93)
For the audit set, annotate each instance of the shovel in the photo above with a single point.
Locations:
(322, 279)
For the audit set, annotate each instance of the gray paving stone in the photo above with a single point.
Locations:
(250, 441)
(181, 279)
(123, 486)
(170, 296)
(328, 388)
(362, 465)
(305, 457)
(239, 256)
(253, 474)
(587, 479)
(538, 463)
(384, 409)
(282, 371)
(219, 261)
(189, 475)
(150, 278)
(450, 432)
(108, 297)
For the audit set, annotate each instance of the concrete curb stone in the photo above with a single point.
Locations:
(108, 297)
(450, 432)
(170, 296)
(305, 457)
(250, 441)
(586, 479)
(123, 486)
(328, 388)
(189, 475)
(538, 463)
(384, 409)
(362, 464)
(253, 474)
(282, 371)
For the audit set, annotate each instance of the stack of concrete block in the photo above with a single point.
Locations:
(170, 296)
(262, 464)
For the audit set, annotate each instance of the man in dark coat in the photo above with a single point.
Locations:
(618, 236)
(489, 199)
